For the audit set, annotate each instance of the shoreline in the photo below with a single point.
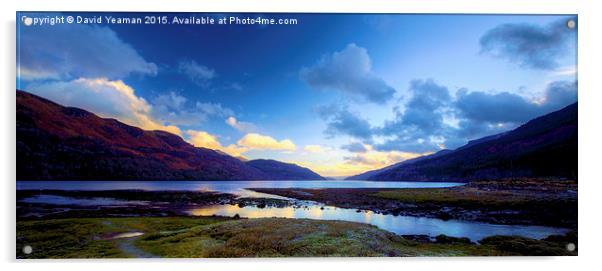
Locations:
(458, 203)
(520, 202)
(226, 237)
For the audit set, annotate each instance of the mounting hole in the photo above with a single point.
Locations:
(570, 247)
(27, 249)
(571, 24)
(27, 20)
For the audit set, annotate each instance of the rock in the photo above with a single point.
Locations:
(422, 238)
(444, 239)
(443, 216)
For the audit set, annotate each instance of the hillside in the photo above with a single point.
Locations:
(369, 174)
(66, 143)
(543, 147)
(284, 171)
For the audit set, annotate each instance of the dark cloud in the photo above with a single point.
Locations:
(197, 73)
(529, 45)
(354, 147)
(506, 107)
(174, 109)
(423, 111)
(357, 160)
(432, 120)
(500, 107)
(420, 127)
(73, 51)
(341, 121)
(348, 71)
(560, 94)
(408, 144)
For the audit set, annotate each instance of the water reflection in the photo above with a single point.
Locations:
(397, 224)
(233, 187)
(60, 200)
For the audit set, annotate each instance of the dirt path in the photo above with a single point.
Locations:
(125, 243)
(127, 246)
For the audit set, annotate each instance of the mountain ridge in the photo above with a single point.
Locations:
(545, 146)
(55, 142)
(281, 171)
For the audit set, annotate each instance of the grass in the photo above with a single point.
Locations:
(274, 237)
(82, 237)
(485, 193)
(68, 238)
(446, 196)
(190, 237)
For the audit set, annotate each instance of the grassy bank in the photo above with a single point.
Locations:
(489, 193)
(266, 237)
(522, 202)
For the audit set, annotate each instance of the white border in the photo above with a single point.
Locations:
(589, 132)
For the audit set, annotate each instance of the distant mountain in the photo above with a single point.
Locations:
(67, 143)
(369, 174)
(284, 171)
(543, 147)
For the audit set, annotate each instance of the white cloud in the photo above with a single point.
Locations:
(112, 99)
(248, 142)
(74, 51)
(197, 73)
(39, 74)
(370, 159)
(379, 159)
(348, 71)
(241, 126)
(263, 142)
(205, 140)
(170, 100)
(316, 149)
(214, 109)
(565, 71)
(173, 108)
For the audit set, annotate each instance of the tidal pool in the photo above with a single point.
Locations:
(233, 187)
(397, 224)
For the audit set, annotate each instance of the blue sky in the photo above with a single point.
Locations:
(339, 93)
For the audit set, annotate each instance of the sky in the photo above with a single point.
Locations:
(337, 93)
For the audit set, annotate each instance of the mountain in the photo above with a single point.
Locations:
(284, 171)
(543, 147)
(67, 143)
(369, 174)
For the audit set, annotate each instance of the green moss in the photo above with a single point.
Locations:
(66, 238)
(516, 245)
(266, 237)
(83, 237)
(466, 197)
(507, 194)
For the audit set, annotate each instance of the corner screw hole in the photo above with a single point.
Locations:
(571, 247)
(27, 249)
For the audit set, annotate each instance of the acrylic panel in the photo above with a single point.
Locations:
(212, 135)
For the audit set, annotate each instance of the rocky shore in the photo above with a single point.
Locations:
(32, 204)
(520, 202)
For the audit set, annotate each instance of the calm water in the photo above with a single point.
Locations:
(60, 200)
(397, 224)
(232, 187)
